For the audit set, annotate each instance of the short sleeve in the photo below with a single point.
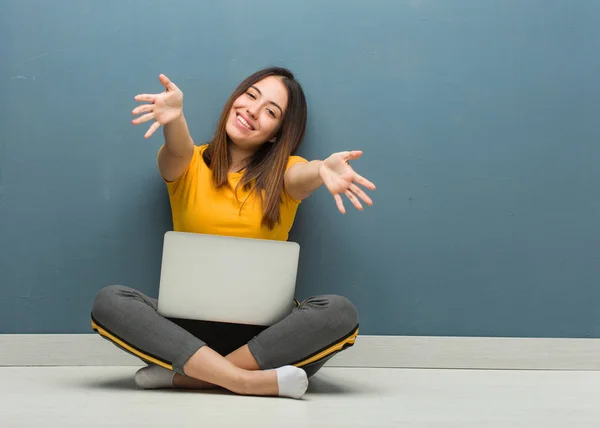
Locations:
(293, 160)
(190, 174)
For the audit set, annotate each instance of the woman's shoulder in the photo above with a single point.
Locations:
(201, 148)
(294, 159)
(199, 152)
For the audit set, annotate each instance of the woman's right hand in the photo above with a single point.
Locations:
(163, 108)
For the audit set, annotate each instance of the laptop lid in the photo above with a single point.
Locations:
(227, 279)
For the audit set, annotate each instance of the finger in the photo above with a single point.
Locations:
(339, 203)
(164, 80)
(152, 129)
(143, 108)
(364, 182)
(150, 98)
(352, 197)
(353, 155)
(361, 194)
(142, 119)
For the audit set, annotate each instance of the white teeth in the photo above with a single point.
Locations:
(243, 122)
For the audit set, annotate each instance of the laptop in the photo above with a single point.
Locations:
(227, 279)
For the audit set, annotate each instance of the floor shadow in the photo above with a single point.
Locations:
(127, 383)
(322, 383)
(119, 383)
(319, 384)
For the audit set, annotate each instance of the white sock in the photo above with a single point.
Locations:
(153, 377)
(292, 381)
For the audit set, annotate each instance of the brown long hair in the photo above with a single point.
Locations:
(265, 170)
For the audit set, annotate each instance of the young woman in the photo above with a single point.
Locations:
(246, 182)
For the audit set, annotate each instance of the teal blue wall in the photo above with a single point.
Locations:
(478, 119)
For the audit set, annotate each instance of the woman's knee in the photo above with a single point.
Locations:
(346, 311)
(107, 301)
(338, 313)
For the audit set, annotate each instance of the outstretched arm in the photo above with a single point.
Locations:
(166, 109)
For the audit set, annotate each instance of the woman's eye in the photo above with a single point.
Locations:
(271, 113)
(251, 95)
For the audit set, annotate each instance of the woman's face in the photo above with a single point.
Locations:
(256, 115)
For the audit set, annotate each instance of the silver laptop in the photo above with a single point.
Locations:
(227, 279)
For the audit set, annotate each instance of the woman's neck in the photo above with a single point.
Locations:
(239, 157)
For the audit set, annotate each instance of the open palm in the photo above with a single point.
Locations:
(339, 178)
(163, 108)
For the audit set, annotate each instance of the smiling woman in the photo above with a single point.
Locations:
(262, 146)
(246, 182)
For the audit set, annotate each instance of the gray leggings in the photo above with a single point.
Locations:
(317, 328)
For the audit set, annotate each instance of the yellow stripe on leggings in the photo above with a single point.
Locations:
(134, 351)
(338, 346)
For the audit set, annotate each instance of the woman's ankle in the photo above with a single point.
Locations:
(258, 382)
(185, 382)
(242, 383)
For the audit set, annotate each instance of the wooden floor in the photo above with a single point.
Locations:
(107, 397)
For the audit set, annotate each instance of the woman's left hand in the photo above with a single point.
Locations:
(339, 178)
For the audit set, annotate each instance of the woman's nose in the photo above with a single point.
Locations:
(253, 110)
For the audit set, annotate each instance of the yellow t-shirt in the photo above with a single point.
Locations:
(198, 207)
